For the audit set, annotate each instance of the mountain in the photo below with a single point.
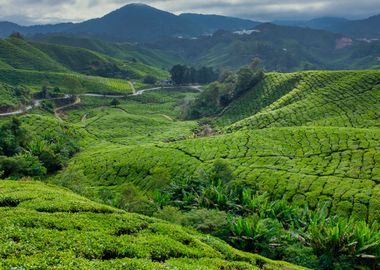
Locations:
(317, 23)
(7, 28)
(212, 23)
(281, 48)
(137, 23)
(366, 28)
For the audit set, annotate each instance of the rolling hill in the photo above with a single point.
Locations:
(48, 227)
(333, 143)
(125, 51)
(18, 53)
(271, 140)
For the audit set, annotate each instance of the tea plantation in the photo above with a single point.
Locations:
(329, 152)
(47, 227)
(289, 169)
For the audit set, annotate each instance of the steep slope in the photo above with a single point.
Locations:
(48, 227)
(20, 54)
(345, 99)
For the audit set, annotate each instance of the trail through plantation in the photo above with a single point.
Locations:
(37, 102)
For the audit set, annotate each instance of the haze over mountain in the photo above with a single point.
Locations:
(365, 28)
(138, 23)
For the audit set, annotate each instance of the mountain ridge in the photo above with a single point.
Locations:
(136, 23)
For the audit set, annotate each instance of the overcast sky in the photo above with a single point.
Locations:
(53, 11)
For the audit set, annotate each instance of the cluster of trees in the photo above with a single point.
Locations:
(22, 155)
(256, 222)
(220, 94)
(182, 74)
(150, 79)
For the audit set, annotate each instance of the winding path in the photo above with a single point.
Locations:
(37, 102)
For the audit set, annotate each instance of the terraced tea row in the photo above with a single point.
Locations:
(48, 227)
(147, 118)
(342, 98)
(67, 82)
(306, 165)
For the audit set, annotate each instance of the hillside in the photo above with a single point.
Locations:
(49, 227)
(277, 111)
(70, 83)
(125, 51)
(18, 53)
(273, 150)
(281, 48)
(349, 99)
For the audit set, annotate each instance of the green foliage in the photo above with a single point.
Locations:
(219, 95)
(24, 153)
(48, 227)
(114, 102)
(149, 79)
(13, 97)
(12, 138)
(259, 224)
(186, 75)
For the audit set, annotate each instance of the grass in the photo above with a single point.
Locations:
(49, 227)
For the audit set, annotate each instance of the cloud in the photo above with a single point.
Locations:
(50, 11)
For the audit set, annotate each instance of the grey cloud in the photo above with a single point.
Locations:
(47, 11)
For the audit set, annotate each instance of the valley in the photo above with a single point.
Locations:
(146, 139)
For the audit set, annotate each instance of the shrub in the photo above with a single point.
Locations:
(149, 79)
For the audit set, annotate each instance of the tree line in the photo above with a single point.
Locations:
(182, 74)
(222, 92)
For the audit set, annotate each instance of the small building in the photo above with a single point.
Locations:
(167, 82)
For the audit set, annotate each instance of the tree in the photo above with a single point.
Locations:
(150, 79)
(12, 138)
(178, 74)
(114, 102)
(183, 75)
(16, 35)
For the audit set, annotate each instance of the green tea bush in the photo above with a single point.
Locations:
(50, 227)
